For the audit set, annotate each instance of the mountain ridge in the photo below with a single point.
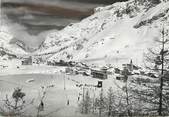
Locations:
(110, 34)
(114, 34)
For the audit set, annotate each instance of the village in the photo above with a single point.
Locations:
(75, 68)
(76, 76)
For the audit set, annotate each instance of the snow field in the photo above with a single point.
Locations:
(56, 96)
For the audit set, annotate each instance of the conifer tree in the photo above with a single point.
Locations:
(110, 102)
(157, 58)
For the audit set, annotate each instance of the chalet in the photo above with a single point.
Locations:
(101, 74)
(27, 61)
(50, 63)
(120, 77)
(61, 63)
(130, 67)
(68, 70)
(117, 70)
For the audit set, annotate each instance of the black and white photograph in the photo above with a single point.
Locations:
(84, 58)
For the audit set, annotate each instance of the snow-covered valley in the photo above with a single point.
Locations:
(108, 47)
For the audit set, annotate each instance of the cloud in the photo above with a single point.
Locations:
(19, 32)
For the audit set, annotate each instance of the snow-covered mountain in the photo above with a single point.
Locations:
(113, 34)
(5, 39)
(9, 53)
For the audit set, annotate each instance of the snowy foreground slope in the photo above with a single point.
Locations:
(113, 34)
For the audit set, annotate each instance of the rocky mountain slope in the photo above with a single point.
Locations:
(10, 54)
(34, 18)
(113, 34)
(6, 37)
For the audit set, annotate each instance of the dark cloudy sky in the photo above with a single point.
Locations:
(45, 15)
(73, 4)
(85, 1)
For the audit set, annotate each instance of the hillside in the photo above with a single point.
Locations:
(112, 35)
(6, 36)
(9, 53)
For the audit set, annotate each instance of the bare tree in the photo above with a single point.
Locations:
(110, 102)
(101, 103)
(15, 105)
(126, 89)
(158, 57)
(40, 107)
(86, 104)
